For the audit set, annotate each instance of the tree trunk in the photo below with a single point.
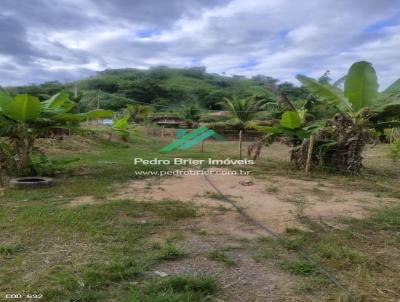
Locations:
(256, 147)
(22, 149)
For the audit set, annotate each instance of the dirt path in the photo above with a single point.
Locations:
(277, 201)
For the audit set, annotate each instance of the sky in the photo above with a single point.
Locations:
(65, 40)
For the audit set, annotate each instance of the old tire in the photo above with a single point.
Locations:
(31, 182)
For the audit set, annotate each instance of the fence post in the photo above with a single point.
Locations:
(309, 154)
(240, 144)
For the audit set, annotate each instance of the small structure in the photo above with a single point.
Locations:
(168, 121)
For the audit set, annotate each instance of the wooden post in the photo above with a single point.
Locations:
(240, 144)
(309, 154)
(202, 146)
(162, 131)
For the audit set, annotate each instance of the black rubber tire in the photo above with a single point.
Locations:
(32, 182)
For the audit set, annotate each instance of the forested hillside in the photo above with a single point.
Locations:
(163, 87)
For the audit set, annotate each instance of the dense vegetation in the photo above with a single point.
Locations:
(165, 88)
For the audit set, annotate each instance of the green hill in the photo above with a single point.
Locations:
(162, 87)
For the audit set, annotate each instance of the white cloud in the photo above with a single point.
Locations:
(303, 33)
(282, 37)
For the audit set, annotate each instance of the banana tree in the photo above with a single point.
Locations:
(291, 125)
(361, 110)
(24, 118)
(120, 126)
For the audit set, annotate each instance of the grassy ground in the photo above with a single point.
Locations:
(109, 251)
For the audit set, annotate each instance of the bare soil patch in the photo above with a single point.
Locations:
(81, 200)
(277, 201)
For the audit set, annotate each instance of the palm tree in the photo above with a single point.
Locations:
(137, 113)
(244, 112)
(191, 112)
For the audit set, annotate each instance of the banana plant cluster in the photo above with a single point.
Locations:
(360, 98)
(24, 118)
(359, 105)
(120, 126)
(291, 125)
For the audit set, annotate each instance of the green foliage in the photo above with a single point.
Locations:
(191, 112)
(5, 99)
(392, 90)
(290, 125)
(360, 90)
(92, 99)
(290, 120)
(137, 113)
(395, 150)
(385, 219)
(325, 92)
(121, 123)
(23, 108)
(300, 267)
(333, 251)
(10, 249)
(25, 118)
(166, 87)
(245, 110)
(361, 86)
(42, 91)
(176, 289)
(361, 101)
(58, 103)
(41, 165)
(120, 126)
(6, 161)
(223, 257)
(170, 252)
